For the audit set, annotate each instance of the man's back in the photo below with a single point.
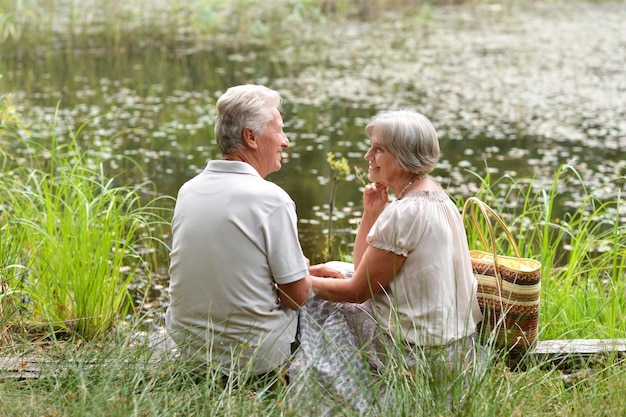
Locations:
(235, 237)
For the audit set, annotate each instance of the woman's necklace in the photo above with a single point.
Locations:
(408, 184)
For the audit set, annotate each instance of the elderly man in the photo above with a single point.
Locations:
(237, 271)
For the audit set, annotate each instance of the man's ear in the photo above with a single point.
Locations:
(249, 138)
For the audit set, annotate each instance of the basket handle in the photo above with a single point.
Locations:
(488, 213)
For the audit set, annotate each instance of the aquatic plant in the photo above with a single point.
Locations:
(340, 169)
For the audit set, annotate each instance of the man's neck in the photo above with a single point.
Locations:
(242, 156)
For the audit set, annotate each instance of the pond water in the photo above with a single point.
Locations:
(514, 90)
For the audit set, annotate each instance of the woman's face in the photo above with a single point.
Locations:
(383, 165)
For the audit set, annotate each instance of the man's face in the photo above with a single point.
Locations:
(271, 144)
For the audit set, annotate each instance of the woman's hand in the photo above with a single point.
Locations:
(375, 197)
(322, 270)
(376, 271)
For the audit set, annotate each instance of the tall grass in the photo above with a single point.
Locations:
(10, 266)
(121, 376)
(71, 241)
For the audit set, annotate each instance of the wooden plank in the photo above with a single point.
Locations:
(578, 353)
(564, 354)
(21, 368)
(15, 367)
(580, 346)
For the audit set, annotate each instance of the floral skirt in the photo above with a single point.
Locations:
(344, 355)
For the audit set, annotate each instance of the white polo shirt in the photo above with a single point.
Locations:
(234, 237)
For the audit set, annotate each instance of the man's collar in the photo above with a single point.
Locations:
(235, 167)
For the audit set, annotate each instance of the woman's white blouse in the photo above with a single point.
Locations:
(432, 300)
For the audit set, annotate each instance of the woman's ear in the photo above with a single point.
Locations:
(249, 138)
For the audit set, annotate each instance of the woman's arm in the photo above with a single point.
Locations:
(295, 294)
(375, 271)
(360, 244)
(375, 198)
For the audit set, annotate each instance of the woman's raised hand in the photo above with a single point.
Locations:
(375, 197)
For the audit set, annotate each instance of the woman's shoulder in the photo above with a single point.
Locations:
(417, 204)
(436, 196)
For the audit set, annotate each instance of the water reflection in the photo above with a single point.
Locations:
(514, 92)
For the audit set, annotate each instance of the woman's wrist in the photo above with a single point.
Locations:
(370, 215)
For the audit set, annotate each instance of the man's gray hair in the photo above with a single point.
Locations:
(410, 136)
(243, 106)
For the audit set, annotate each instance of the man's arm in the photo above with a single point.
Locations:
(295, 294)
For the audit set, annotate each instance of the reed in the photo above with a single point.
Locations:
(10, 266)
(107, 25)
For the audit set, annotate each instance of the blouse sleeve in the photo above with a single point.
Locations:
(397, 230)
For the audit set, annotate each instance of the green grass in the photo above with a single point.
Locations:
(118, 377)
(71, 241)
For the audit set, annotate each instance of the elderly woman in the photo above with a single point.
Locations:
(412, 271)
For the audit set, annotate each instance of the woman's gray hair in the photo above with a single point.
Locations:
(410, 136)
(243, 106)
